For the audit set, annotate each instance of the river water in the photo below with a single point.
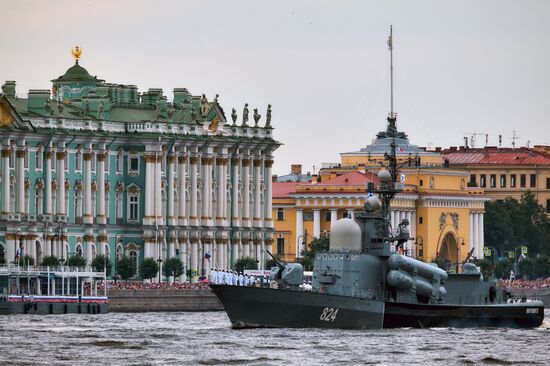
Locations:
(207, 339)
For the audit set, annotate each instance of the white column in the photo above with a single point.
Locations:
(413, 234)
(170, 190)
(299, 231)
(206, 176)
(245, 241)
(182, 162)
(149, 191)
(476, 236)
(268, 194)
(61, 182)
(158, 189)
(88, 243)
(235, 190)
(481, 233)
(87, 216)
(20, 154)
(246, 192)
(471, 234)
(48, 182)
(6, 152)
(333, 216)
(317, 223)
(193, 194)
(257, 192)
(221, 191)
(194, 257)
(101, 215)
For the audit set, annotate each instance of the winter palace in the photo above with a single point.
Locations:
(91, 167)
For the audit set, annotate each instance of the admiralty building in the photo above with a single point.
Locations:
(91, 167)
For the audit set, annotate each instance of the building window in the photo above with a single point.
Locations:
(66, 161)
(280, 245)
(133, 208)
(421, 183)
(118, 162)
(280, 214)
(482, 181)
(77, 206)
(308, 216)
(493, 181)
(533, 182)
(78, 160)
(118, 207)
(327, 216)
(420, 220)
(522, 181)
(513, 181)
(547, 205)
(472, 180)
(133, 164)
(133, 203)
(38, 159)
(94, 162)
(107, 165)
(503, 181)
(26, 159)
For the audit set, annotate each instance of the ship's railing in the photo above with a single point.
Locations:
(87, 271)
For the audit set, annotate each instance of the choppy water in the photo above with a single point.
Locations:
(207, 339)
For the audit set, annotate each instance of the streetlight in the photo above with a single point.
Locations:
(159, 260)
(492, 251)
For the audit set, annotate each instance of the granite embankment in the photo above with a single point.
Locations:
(163, 300)
(541, 294)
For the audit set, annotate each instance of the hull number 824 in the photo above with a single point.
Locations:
(329, 314)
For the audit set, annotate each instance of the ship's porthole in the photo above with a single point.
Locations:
(318, 256)
(341, 256)
(347, 256)
(324, 256)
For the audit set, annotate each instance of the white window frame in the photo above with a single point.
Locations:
(130, 170)
(38, 160)
(132, 200)
(78, 160)
(119, 162)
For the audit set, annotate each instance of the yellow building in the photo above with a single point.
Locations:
(445, 215)
(506, 172)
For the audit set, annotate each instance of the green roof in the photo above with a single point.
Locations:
(77, 73)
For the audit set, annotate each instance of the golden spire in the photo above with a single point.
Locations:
(76, 51)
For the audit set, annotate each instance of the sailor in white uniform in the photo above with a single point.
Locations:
(245, 280)
(241, 279)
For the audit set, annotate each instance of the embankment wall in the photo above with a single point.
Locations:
(163, 300)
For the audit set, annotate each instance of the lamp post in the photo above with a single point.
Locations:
(159, 260)
(523, 251)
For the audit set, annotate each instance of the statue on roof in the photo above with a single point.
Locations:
(216, 98)
(268, 116)
(245, 114)
(257, 117)
(76, 52)
(234, 116)
(204, 105)
(100, 109)
(391, 130)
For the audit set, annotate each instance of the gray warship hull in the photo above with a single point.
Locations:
(265, 307)
(249, 307)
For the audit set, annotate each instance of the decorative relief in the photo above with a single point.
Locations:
(119, 187)
(443, 219)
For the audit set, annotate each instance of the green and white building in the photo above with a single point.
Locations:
(97, 168)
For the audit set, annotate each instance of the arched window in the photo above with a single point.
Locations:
(133, 254)
(119, 162)
(78, 250)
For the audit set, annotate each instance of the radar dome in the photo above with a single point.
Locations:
(384, 176)
(345, 234)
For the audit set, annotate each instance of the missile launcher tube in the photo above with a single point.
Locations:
(397, 261)
(404, 281)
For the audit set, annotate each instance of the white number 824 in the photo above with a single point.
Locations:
(328, 314)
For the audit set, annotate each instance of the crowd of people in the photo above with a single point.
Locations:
(139, 285)
(541, 283)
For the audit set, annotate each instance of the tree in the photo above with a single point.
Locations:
(26, 260)
(509, 223)
(486, 266)
(125, 268)
(442, 263)
(99, 263)
(245, 263)
(76, 261)
(149, 268)
(503, 268)
(270, 263)
(50, 261)
(172, 267)
(317, 245)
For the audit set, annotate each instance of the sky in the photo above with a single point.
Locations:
(459, 66)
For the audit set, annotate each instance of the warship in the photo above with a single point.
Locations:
(363, 282)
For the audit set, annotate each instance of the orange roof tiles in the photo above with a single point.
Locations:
(283, 189)
(354, 178)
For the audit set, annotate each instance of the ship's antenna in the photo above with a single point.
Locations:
(390, 45)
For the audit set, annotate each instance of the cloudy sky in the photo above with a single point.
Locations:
(460, 66)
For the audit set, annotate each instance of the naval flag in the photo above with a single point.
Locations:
(390, 46)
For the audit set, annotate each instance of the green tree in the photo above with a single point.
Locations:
(172, 267)
(526, 268)
(317, 245)
(541, 267)
(486, 266)
(503, 268)
(442, 263)
(99, 263)
(125, 268)
(76, 261)
(26, 260)
(510, 222)
(50, 261)
(149, 268)
(270, 263)
(245, 263)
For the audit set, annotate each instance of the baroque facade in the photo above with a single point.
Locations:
(444, 214)
(98, 168)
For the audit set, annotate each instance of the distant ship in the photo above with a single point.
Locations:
(360, 283)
